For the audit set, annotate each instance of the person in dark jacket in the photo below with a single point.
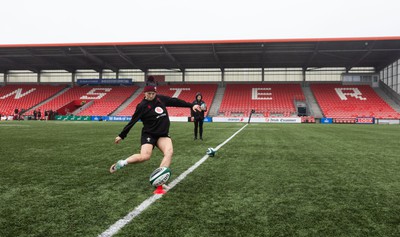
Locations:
(152, 111)
(34, 114)
(39, 115)
(198, 116)
(151, 81)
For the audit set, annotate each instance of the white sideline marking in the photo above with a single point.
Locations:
(112, 230)
(14, 125)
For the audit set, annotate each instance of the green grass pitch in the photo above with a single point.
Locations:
(269, 180)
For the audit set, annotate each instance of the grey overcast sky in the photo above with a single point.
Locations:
(93, 21)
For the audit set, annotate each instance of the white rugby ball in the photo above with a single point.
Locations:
(211, 152)
(160, 176)
(203, 106)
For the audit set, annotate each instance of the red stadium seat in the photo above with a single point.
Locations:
(106, 99)
(186, 92)
(351, 101)
(266, 99)
(24, 96)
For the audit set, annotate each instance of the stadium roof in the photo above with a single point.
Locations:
(377, 52)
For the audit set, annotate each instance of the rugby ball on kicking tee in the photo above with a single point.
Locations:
(211, 152)
(160, 176)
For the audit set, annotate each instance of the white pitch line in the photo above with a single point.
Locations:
(112, 230)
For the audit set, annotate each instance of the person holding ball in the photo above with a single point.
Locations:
(198, 115)
(152, 111)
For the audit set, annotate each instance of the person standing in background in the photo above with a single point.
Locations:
(198, 116)
(151, 81)
(34, 114)
(16, 111)
(39, 115)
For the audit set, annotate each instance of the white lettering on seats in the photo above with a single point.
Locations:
(257, 95)
(18, 93)
(178, 91)
(355, 92)
(93, 94)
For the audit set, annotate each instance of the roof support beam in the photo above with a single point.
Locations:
(266, 60)
(98, 60)
(79, 60)
(309, 60)
(325, 51)
(387, 62)
(335, 55)
(127, 59)
(5, 77)
(216, 57)
(19, 65)
(46, 61)
(172, 58)
(370, 47)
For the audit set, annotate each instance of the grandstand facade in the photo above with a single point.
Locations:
(342, 79)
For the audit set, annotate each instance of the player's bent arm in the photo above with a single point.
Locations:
(135, 117)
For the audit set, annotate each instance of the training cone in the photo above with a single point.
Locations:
(159, 190)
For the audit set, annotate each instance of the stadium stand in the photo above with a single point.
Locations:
(24, 96)
(268, 99)
(185, 92)
(110, 102)
(346, 102)
(105, 99)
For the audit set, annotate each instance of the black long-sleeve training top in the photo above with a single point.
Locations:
(154, 115)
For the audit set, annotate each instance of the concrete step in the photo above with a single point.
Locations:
(214, 108)
(387, 99)
(312, 103)
(47, 100)
(127, 102)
